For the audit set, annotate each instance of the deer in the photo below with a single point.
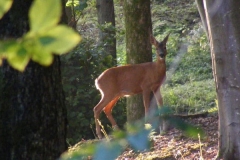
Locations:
(127, 80)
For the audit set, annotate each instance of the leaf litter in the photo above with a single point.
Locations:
(174, 145)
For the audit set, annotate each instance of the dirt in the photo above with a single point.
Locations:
(175, 145)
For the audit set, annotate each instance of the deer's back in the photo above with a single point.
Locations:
(130, 79)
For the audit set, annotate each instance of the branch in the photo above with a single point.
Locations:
(201, 11)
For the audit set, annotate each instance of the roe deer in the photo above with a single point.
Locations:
(127, 80)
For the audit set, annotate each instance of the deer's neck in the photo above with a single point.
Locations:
(160, 62)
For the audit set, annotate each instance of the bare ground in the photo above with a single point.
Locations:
(174, 145)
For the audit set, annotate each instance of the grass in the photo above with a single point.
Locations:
(191, 97)
(189, 87)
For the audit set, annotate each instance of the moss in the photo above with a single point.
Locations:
(138, 27)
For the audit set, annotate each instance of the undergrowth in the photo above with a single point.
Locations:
(192, 97)
(189, 87)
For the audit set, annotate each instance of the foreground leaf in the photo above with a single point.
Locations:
(188, 129)
(59, 40)
(140, 140)
(20, 61)
(15, 53)
(4, 6)
(44, 14)
(108, 151)
(43, 57)
(71, 3)
(81, 152)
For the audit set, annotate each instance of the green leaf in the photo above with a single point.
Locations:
(5, 6)
(60, 39)
(119, 134)
(72, 3)
(108, 150)
(140, 140)
(16, 54)
(81, 152)
(190, 130)
(43, 57)
(44, 14)
(187, 128)
(83, 5)
(37, 52)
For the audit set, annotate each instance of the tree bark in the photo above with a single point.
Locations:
(138, 26)
(223, 23)
(202, 14)
(107, 36)
(32, 109)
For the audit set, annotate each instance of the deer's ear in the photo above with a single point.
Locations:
(153, 40)
(166, 38)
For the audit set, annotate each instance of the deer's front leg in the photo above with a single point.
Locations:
(163, 126)
(146, 101)
(158, 97)
(150, 110)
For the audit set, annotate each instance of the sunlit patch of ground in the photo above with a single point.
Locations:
(174, 145)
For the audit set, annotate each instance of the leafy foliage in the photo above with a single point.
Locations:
(72, 3)
(187, 98)
(79, 5)
(181, 92)
(189, 87)
(4, 6)
(137, 137)
(44, 38)
(80, 68)
(106, 150)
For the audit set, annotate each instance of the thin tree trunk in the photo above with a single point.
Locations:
(138, 28)
(32, 109)
(223, 23)
(105, 9)
(202, 14)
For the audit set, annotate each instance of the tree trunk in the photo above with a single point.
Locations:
(32, 109)
(71, 17)
(107, 35)
(202, 14)
(223, 23)
(138, 28)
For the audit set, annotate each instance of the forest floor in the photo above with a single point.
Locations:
(174, 145)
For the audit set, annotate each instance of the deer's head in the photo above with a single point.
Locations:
(161, 49)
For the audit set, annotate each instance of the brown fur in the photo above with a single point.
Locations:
(127, 80)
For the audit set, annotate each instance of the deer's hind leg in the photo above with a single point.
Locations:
(108, 111)
(97, 111)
